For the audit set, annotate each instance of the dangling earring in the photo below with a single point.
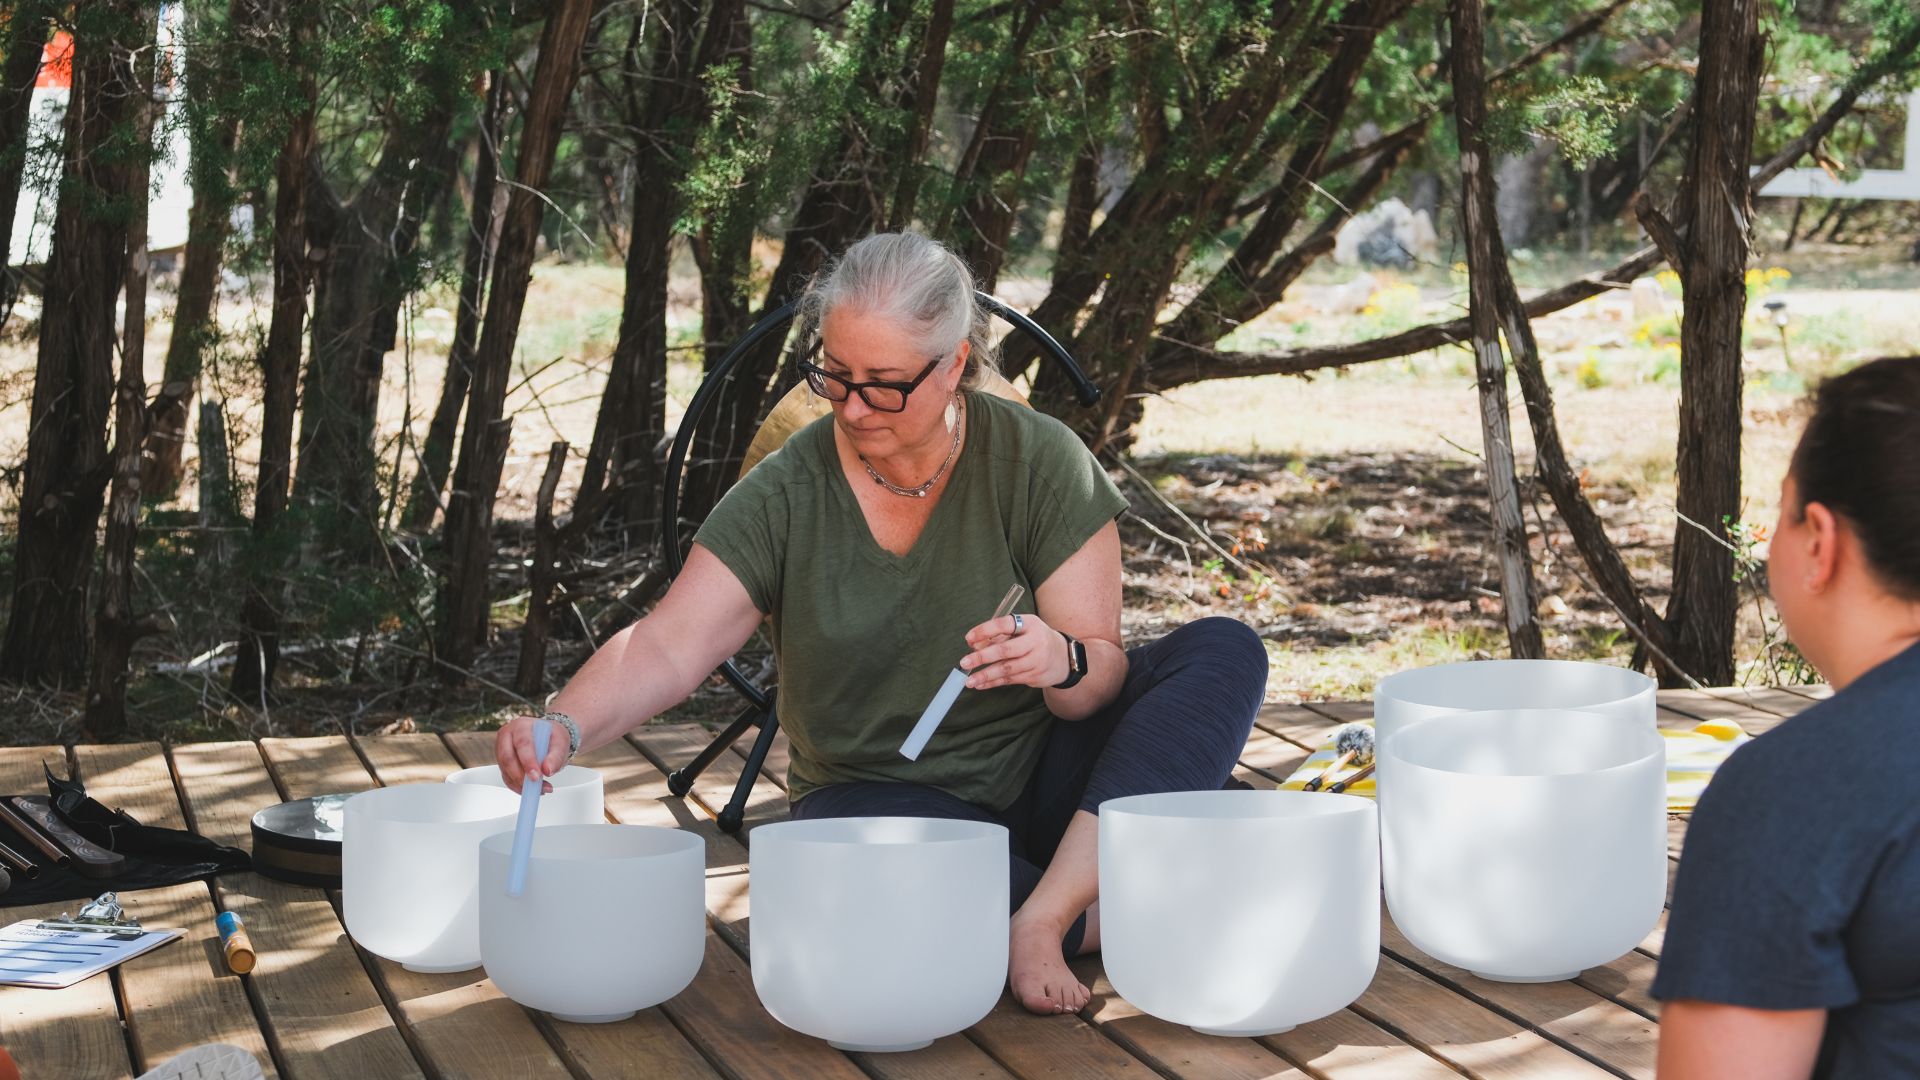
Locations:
(953, 410)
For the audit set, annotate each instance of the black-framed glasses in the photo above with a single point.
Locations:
(879, 395)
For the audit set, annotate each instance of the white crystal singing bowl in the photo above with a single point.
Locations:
(537, 948)
(879, 933)
(1477, 685)
(1240, 912)
(409, 864)
(1524, 845)
(578, 796)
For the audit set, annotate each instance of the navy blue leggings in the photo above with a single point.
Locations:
(1181, 718)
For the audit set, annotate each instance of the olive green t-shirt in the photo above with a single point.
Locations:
(864, 638)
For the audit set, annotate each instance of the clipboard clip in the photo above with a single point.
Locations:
(102, 915)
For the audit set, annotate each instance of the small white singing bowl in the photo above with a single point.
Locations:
(409, 866)
(1479, 685)
(1525, 845)
(881, 933)
(1240, 913)
(578, 796)
(643, 942)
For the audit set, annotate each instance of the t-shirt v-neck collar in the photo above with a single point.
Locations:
(843, 487)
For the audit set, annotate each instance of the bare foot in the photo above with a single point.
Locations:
(1037, 972)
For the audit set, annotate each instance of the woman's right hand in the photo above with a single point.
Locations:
(513, 748)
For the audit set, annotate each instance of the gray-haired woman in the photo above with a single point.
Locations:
(875, 540)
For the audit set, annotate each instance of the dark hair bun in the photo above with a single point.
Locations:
(1860, 458)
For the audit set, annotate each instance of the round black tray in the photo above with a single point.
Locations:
(299, 841)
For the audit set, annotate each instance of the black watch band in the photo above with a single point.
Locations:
(1076, 662)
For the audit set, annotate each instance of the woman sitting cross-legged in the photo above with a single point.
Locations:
(879, 540)
(1793, 948)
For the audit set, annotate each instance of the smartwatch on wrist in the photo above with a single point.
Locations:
(1076, 662)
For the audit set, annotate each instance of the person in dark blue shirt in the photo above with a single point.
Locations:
(1793, 947)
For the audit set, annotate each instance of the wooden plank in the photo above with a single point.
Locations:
(1772, 699)
(180, 995)
(408, 759)
(458, 1023)
(1708, 706)
(779, 755)
(1816, 692)
(1569, 1014)
(305, 768)
(1627, 981)
(73, 1031)
(320, 1011)
(1170, 1049)
(1297, 724)
(1475, 1039)
(1348, 1046)
(668, 746)
(1269, 754)
(1343, 712)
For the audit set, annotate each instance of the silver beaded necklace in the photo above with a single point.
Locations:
(921, 491)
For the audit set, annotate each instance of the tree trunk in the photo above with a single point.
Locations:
(633, 408)
(483, 235)
(530, 676)
(26, 39)
(259, 652)
(194, 330)
(1716, 200)
(987, 182)
(364, 275)
(463, 600)
(1486, 275)
(917, 97)
(116, 628)
(67, 464)
(219, 515)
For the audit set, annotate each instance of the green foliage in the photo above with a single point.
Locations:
(1581, 115)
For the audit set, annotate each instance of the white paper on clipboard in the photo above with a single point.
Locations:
(49, 954)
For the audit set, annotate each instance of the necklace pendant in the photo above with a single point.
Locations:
(915, 492)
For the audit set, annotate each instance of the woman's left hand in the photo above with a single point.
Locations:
(1014, 650)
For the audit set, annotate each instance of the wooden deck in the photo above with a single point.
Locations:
(318, 1007)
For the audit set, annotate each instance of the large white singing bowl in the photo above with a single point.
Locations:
(1525, 846)
(879, 933)
(1240, 912)
(537, 949)
(1476, 685)
(578, 796)
(409, 865)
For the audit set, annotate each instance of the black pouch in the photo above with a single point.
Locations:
(154, 856)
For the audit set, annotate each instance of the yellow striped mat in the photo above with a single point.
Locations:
(1691, 758)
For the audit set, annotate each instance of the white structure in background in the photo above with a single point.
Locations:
(1902, 183)
(171, 196)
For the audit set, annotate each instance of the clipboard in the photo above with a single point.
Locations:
(53, 953)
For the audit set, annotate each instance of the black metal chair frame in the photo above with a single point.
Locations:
(760, 708)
